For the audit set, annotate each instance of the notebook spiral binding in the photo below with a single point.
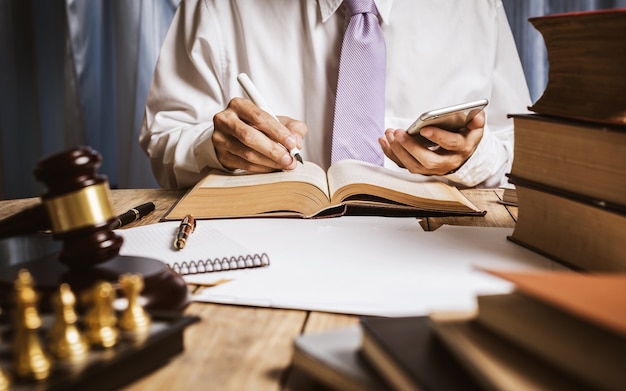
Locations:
(221, 264)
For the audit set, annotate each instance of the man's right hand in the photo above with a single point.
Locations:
(248, 138)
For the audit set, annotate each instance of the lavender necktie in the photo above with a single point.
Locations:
(360, 100)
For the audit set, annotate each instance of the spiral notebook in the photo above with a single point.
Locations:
(207, 251)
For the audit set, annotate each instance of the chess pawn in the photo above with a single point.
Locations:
(134, 319)
(100, 319)
(5, 380)
(67, 343)
(30, 360)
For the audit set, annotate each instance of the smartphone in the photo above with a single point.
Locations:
(452, 118)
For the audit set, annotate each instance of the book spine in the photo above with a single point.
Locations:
(575, 233)
(573, 196)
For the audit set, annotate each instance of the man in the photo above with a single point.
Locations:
(438, 53)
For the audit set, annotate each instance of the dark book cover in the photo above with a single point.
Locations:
(412, 347)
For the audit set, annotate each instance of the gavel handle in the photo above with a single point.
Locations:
(27, 221)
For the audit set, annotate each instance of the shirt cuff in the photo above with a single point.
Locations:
(204, 152)
(480, 167)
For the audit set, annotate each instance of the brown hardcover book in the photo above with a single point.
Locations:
(570, 342)
(494, 361)
(570, 228)
(309, 192)
(598, 298)
(509, 196)
(575, 156)
(407, 354)
(587, 56)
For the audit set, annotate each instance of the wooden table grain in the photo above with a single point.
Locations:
(248, 348)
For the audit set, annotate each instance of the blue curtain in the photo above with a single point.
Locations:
(77, 72)
(530, 43)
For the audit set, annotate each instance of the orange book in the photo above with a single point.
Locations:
(598, 298)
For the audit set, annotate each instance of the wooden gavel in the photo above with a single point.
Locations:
(77, 209)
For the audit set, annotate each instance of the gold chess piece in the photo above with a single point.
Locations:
(100, 319)
(67, 343)
(135, 320)
(30, 360)
(5, 380)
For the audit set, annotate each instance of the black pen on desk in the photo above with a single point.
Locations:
(134, 214)
(255, 96)
(186, 227)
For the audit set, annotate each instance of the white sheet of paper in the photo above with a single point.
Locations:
(368, 265)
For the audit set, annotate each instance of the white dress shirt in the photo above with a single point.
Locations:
(439, 53)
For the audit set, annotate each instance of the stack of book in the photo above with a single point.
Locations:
(555, 331)
(382, 354)
(569, 167)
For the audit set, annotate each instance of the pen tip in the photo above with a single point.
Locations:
(299, 158)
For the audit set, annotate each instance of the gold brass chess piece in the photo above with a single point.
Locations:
(67, 343)
(100, 319)
(134, 321)
(29, 358)
(5, 379)
(77, 210)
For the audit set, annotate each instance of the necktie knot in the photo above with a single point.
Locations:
(360, 7)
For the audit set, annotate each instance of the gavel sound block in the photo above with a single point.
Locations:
(76, 208)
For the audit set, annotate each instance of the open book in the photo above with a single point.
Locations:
(308, 192)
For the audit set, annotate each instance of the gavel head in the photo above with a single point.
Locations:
(78, 204)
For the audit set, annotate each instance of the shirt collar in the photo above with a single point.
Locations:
(329, 7)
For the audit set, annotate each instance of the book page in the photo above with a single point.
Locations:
(301, 192)
(409, 188)
(307, 172)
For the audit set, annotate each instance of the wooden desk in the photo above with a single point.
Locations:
(247, 348)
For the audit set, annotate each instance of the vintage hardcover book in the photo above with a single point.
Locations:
(333, 358)
(509, 195)
(408, 355)
(579, 157)
(596, 297)
(569, 228)
(308, 192)
(587, 56)
(496, 363)
(593, 354)
(576, 321)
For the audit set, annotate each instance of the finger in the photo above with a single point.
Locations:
(477, 122)
(253, 142)
(265, 122)
(243, 164)
(386, 147)
(407, 150)
(297, 128)
(419, 159)
(233, 154)
(452, 141)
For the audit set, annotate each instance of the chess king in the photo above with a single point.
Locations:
(76, 208)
